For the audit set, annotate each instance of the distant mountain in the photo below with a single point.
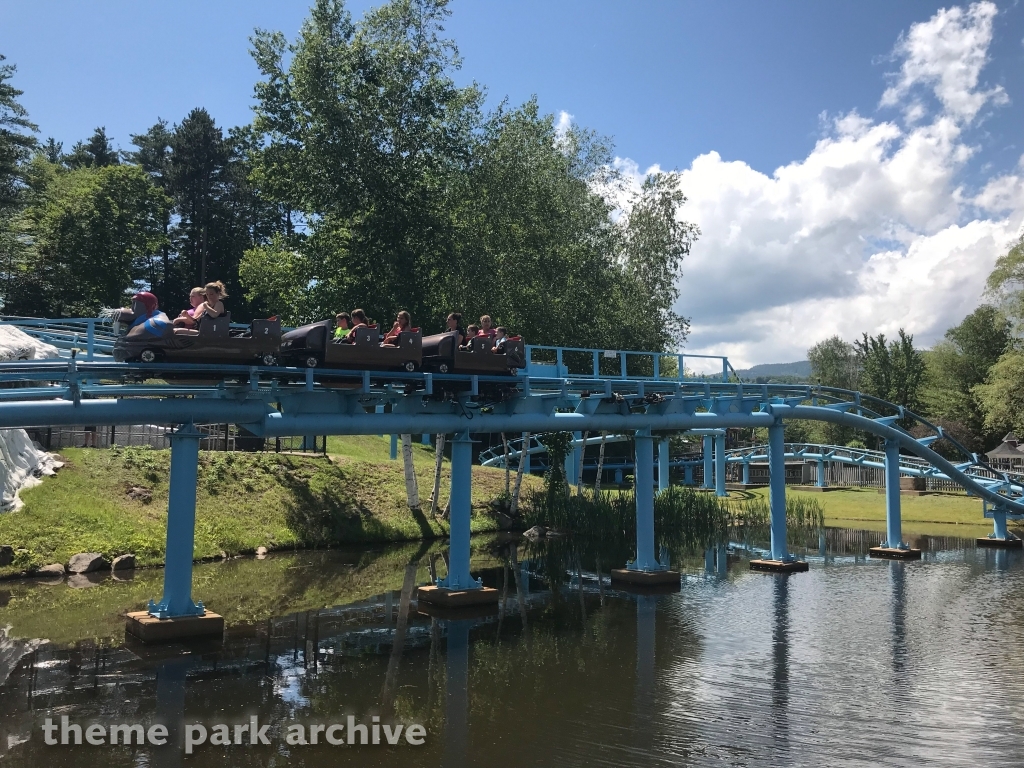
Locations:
(800, 370)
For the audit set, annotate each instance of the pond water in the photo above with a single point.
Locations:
(857, 662)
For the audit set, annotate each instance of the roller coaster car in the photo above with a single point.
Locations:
(215, 341)
(441, 354)
(312, 346)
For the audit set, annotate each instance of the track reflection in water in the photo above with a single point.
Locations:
(854, 663)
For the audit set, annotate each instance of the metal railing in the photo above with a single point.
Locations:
(580, 362)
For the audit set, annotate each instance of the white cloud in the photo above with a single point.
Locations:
(947, 53)
(872, 231)
(563, 124)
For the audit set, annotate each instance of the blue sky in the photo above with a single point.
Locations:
(761, 84)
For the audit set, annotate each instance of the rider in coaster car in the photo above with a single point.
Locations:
(343, 326)
(500, 337)
(145, 316)
(471, 333)
(211, 307)
(403, 323)
(360, 322)
(187, 316)
(487, 326)
(454, 323)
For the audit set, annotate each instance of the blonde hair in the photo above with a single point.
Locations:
(194, 291)
(218, 286)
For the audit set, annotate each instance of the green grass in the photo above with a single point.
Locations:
(243, 501)
(864, 508)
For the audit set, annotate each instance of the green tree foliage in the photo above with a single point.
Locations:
(960, 363)
(94, 232)
(217, 214)
(1006, 283)
(1002, 395)
(834, 363)
(891, 370)
(410, 198)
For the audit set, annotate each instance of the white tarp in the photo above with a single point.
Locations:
(22, 465)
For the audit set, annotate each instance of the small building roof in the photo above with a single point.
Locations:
(1011, 438)
(1006, 450)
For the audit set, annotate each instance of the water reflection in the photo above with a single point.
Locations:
(736, 668)
(780, 663)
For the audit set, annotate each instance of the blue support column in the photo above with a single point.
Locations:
(688, 474)
(663, 460)
(708, 466)
(720, 465)
(746, 473)
(777, 491)
(644, 492)
(893, 522)
(1000, 530)
(459, 577)
(181, 528)
(394, 447)
(425, 439)
(822, 482)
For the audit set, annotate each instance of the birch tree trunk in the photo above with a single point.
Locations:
(438, 459)
(412, 491)
(504, 444)
(514, 506)
(600, 464)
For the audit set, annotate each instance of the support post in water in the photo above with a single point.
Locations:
(459, 588)
(720, 465)
(645, 570)
(893, 546)
(1000, 536)
(663, 461)
(780, 560)
(187, 618)
(708, 466)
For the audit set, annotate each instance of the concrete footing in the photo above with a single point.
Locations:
(644, 578)
(893, 553)
(456, 598)
(149, 629)
(816, 488)
(985, 541)
(779, 566)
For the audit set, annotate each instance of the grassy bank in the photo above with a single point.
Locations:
(946, 514)
(244, 501)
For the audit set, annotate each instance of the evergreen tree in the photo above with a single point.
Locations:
(198, 158)
(16, 140)
(153, 155)
(97, 152)
(16, 145)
